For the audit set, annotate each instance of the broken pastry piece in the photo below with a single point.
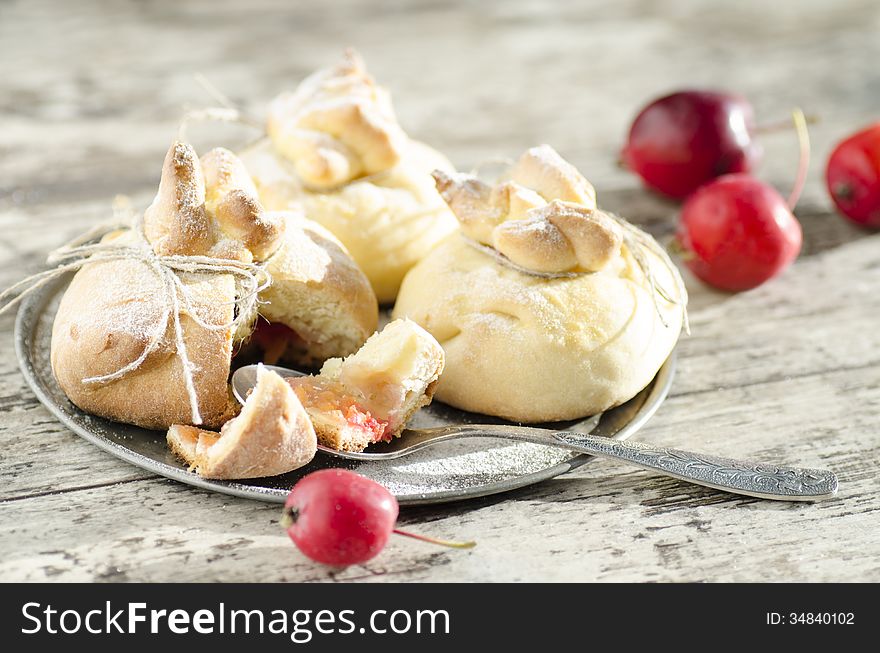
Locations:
(369, 396)
(544, 218)
(571, 314)
(335, 149)
(272, 435)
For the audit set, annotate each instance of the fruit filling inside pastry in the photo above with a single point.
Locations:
(275, 342)
(332, 403)
(369, 396)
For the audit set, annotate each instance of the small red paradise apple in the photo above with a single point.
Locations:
(853, 177)
(337, 517)
(683, 140)
(737, 231)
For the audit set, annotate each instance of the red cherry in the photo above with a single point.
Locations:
(853, 177)
(681, 141)
(739, 232)
(338, 517)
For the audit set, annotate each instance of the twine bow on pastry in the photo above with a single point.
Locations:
(250, 280)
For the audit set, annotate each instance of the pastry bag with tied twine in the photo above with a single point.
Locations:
(174, 237)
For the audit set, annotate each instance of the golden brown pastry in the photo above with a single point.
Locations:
(543, 219)
(319, 305)
(547, 308)
(335, 149)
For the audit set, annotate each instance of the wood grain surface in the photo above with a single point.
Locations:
(91, 94)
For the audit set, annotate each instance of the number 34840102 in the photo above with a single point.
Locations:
(811, 618)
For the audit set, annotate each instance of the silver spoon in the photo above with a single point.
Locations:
(756, 479)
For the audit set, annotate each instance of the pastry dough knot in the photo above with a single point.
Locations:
(544, 218)
(210, 208)
(337, 126)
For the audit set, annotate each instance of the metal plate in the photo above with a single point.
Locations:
(447, 472)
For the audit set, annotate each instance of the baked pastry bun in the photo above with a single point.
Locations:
(547, 308)
(118, 314)
(335, 149)
(369, 396)
(272, 435)
(116, 351)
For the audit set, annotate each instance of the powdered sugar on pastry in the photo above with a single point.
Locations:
(109, 315)
(337, 126)
(201, 206)
(542, 169)
(145, 330)
(534, 349)
(559, 311)
(176, 222)
(336, 152)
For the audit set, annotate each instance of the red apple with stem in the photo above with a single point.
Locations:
(737, 231)
(340, 518)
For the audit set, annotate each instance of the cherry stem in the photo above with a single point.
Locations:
(434, 540)
(800, 126)
(771, 127)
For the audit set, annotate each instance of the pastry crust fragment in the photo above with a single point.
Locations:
(272, 435)
(543, 219)
(369, 396)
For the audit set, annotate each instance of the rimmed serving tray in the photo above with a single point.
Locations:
(451, 471)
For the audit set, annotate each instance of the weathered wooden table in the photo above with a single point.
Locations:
(90, 97)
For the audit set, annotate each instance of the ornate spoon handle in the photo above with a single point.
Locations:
(763, 480)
